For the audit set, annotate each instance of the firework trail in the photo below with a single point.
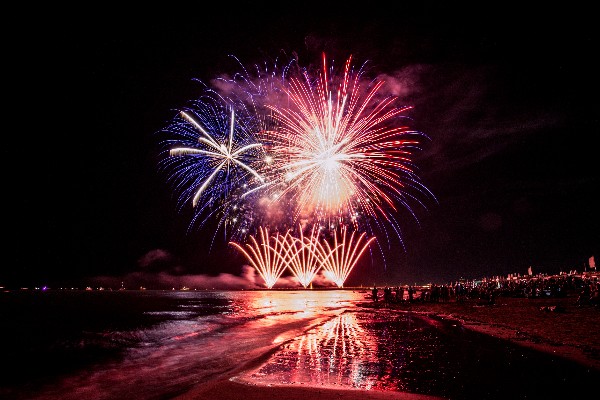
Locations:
(222, 155)
(304, 256)
(213, 161)
(339, 259)
(341, 153)
(305, 262)
(270, 261)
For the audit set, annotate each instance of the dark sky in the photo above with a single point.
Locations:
(509, 98)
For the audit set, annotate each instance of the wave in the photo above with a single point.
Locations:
(157, 345)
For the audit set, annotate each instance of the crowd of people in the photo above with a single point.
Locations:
(584, 287)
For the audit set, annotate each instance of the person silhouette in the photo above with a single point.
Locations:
(374, 293)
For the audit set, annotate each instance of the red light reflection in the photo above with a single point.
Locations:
(334, 354)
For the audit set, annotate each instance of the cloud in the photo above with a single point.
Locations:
(153, 257)
(405, 82)
(167, 280)
(470, 112)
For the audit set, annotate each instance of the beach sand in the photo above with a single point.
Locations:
(235, 390)
(553, 325)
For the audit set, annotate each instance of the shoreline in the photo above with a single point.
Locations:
(238, 388)
(570, 333)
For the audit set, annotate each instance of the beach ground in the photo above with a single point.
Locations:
(236, 390)
(553, 325)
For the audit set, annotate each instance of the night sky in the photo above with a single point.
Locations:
(508, 97)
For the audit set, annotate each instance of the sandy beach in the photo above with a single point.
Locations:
(232, 390)
(552, 325)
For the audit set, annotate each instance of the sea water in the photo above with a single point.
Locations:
(130, 344)
(145, 344)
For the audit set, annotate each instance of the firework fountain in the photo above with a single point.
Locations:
(340, 259)
(303, 261)
(304, 256)
(268, 255)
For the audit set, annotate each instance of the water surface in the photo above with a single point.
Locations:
(158, 344)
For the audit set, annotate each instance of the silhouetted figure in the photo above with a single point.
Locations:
(387, 295)
(374, 293)
(399, 294)
(595, 294)
(584, 296)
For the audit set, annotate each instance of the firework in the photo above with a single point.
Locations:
(304, 262)
(212, 160)
(270, 261)
(304, 256)
(341, 150)
(221, 155)
(293, 147)
(339, 259)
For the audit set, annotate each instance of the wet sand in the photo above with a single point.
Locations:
(236, 388)
(552, 325)
(233, 390)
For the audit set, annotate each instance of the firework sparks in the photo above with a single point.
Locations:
(221, 155)
(304, 261)
(212, 160)
(340, 258)
(304, 256)
(269, 261)
(327, 149)
(339, 151)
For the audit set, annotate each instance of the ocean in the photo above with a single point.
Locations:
(148, 344)
(145, 344)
